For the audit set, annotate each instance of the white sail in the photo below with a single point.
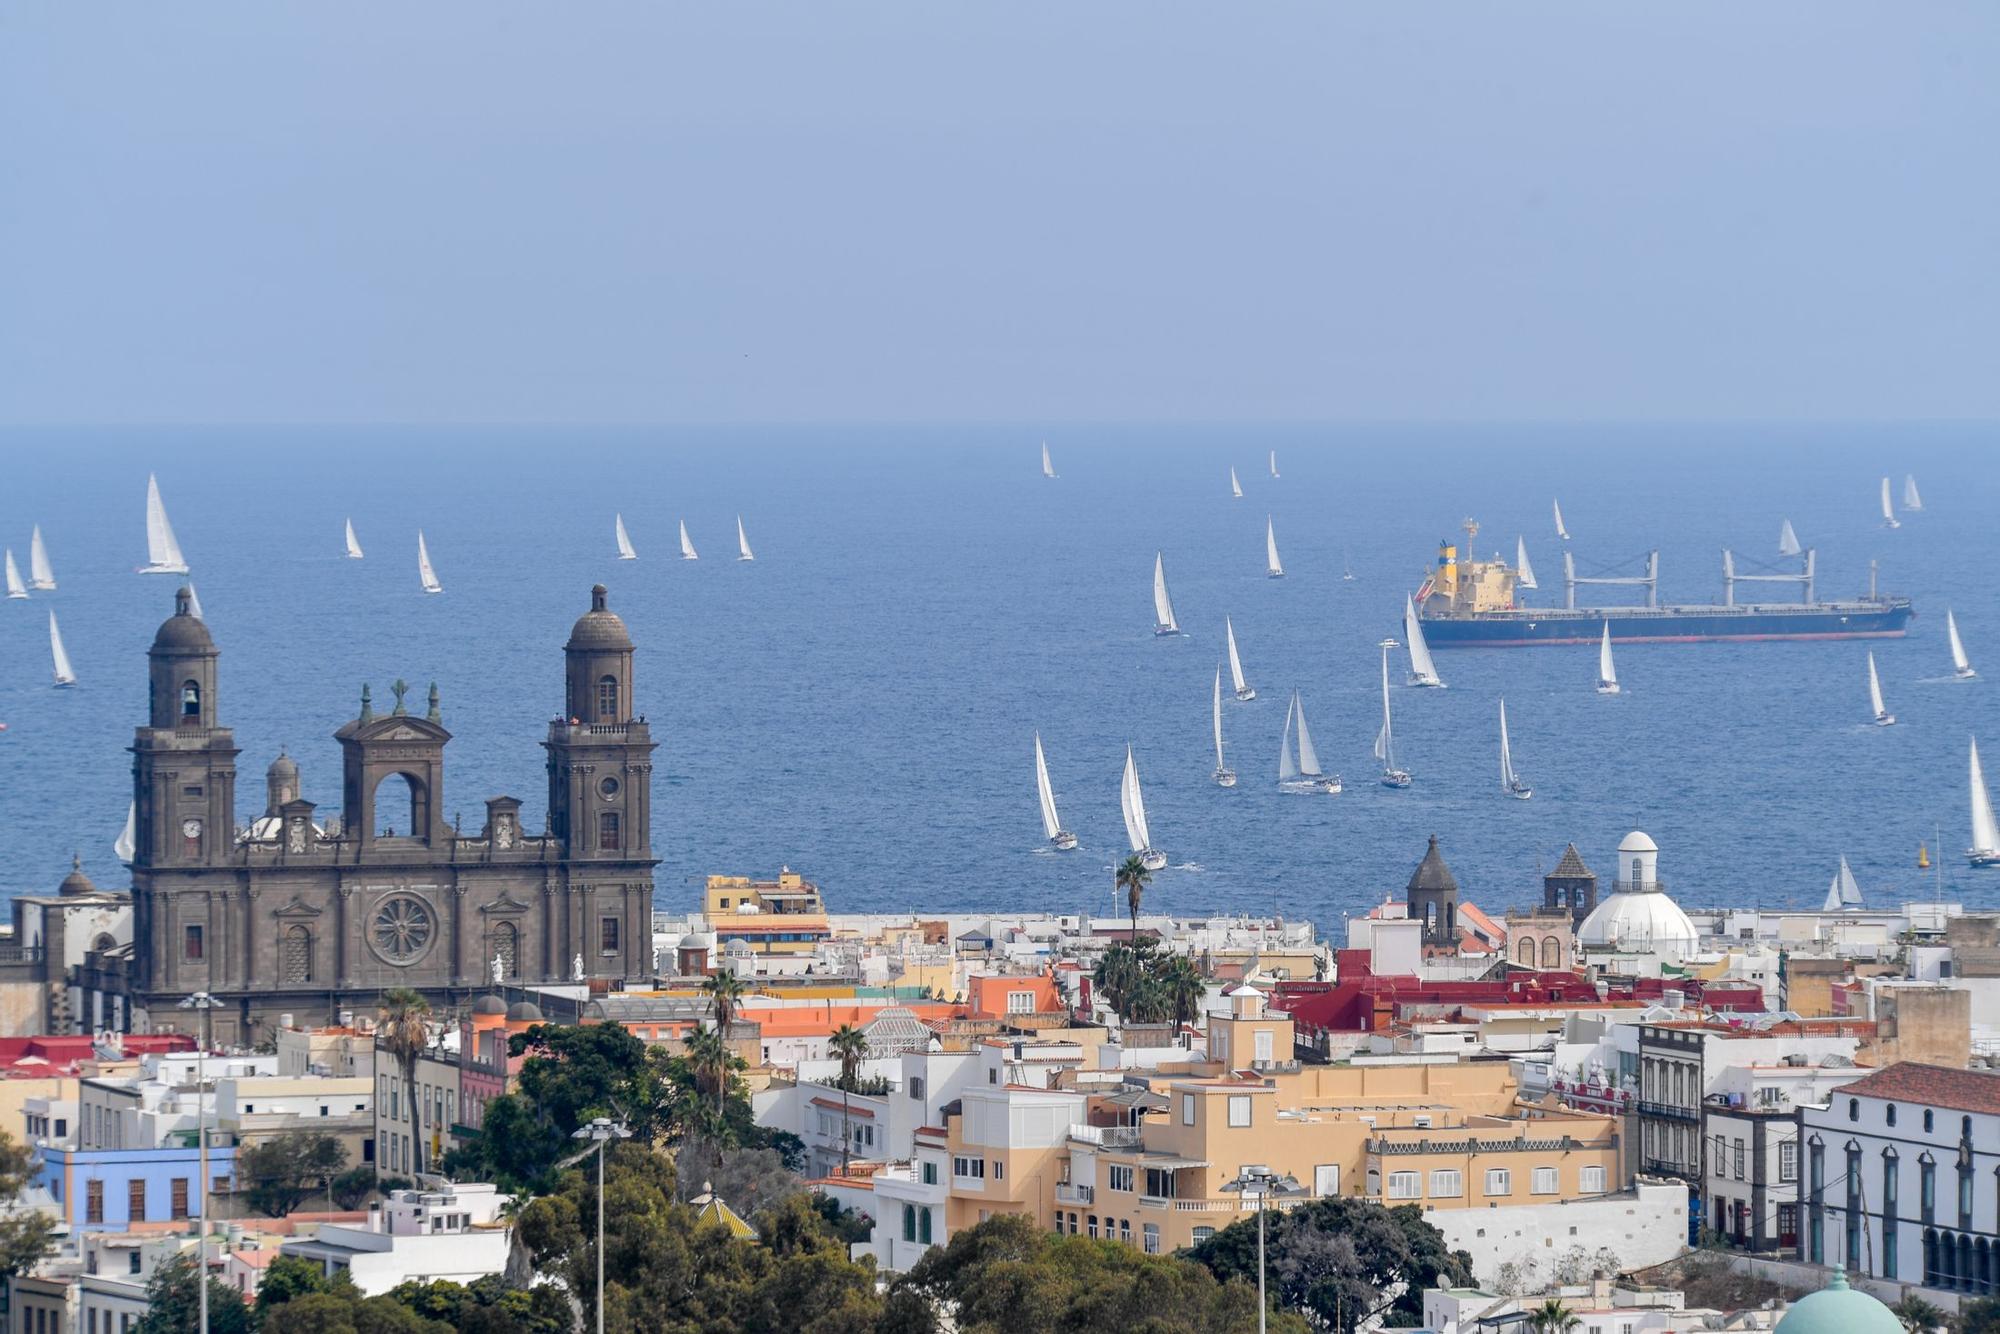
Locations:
(1274, 463)
(1235, 487)
(15, 588)
(687, 547)
(1507, 779)
(742, 541)
(353, 543)
(1524, 571)
(1875, 689)
(126, 845)
(1308, 757)
(1288, 768)
(1235, 662)
(1607, 673)
(163, 553)
(1960, 664)
(1788, 541)
(424, 570)
(625, 551)
(1051, 826)
(1272, 565)
(1888, 512)
(40, 573)
(1985, 831)
(1218, 720)
(1048, 468)
(1561, 531)
(1911, 500)
(1163, 606)
(1423, 671)
(1385, 740)
(1843, 882)
(194, 601)
(65, 674)
(1134, 803)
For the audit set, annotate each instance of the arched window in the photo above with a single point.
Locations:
(607, 699)
(295, 956)
(506, 948)
(1524, 953)
(1854, 1109)
(1551, 953)
(190, 700)
(909, 1223)
(1891, 1113)
(419, 826)
(609, 835)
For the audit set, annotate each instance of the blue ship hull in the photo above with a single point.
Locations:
(1883, 619)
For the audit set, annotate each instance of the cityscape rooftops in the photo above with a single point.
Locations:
(1935, 1085)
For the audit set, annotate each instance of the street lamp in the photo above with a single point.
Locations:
(1259, 1180)
(202, 1002)
(603, 1130)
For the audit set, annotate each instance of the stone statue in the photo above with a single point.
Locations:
(576, 968)
(499, 972)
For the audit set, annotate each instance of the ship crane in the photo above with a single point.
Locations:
(1730, 578)
(1650, 580)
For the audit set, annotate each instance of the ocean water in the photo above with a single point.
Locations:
(859, 702)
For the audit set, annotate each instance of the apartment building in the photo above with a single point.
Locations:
(1750, 1130)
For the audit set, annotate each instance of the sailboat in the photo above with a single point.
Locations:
(1888, 513)
(687, 547)
(65, 674)
(194, 601)
(424, 570)
(1134, 804)
(1510, 782)
(1274, 463)
(1273, 567)
(1985, 849)
(742, 541)
(1235, 487)
(1423, 671)
(126, 845)
(1301, 773)
(163, 552)
(1882, 715)
(1059, 838)
(1961, 666)
(1224, 775)
(1788, 541)
(1911, 500)
(15, 588)
(1243, 688)
(40, 574)
(1561, 531)
(1385, 740)
(1163, 606)
(1346, 567)
(353, 543)
(1048, 468)
(625, 551)
(1607, 675)
(1524, 573)
(1843, 892)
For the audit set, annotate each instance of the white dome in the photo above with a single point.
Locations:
(1644, 922)
(1638, 841)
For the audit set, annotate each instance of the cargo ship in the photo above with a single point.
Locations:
(1479, 604)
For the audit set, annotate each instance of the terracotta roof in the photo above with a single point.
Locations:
(1486, 926)
(1571, 867)
(1938, 1085)
(1431, 872)
(852, 1109)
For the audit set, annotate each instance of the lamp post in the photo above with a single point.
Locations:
(603, 1130)
(202, 1003)
(1258, 1180)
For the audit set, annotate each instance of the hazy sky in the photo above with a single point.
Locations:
(485, 210)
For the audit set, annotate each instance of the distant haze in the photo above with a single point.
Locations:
(649, 211)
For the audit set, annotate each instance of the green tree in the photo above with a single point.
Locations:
(848, 1045)
(1552, 1317)
(282, 1172)
(1184, 988)
(725, 991)
(1980, 1316)
(173, 1303)
(1133, 877)
(708, 1055)
(1343, 1262)
(351, 1187)
(404, 1031)
(1919, 1316)
(291, 1276)
(25, 1234)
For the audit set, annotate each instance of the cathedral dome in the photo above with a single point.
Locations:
(183, 632)
(1839, 1309)
(284, 768)
(524, 1012)
(489, 1004)
(1640, 917)
(600, 628)
(76, 882)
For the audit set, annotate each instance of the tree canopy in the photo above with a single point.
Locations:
(25, 1235)
(283, 1171)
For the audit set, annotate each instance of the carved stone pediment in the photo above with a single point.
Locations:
(504, 906)
(297, 907)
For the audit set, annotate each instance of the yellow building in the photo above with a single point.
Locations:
(782, 916)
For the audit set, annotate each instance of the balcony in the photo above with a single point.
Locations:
(1670, 1111)
(1069, 1192)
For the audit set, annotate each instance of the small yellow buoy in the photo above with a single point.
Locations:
(1923, 857)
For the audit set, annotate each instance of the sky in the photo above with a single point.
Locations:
(658, 211)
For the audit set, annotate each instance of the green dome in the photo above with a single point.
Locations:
(1839, 1309)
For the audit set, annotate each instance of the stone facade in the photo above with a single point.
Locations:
(303, 916)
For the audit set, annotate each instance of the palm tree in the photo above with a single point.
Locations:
(1183, 984)
(725, 996)
(1133, 877)
(404, 1032)
(708, 1055)
(1552, 1317)
(849, 1044)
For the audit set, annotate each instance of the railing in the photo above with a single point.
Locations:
(1638, 887)
(1072, 1193)
(20, 954)
(1243, 1206)
(1390, 1148)
(1671, 1111)
(1111, 1137)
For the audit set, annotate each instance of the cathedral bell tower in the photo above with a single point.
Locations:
(183, 759)
(600, 750)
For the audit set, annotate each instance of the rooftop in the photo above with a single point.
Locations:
(1937, 1085)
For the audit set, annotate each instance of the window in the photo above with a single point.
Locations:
(608, 835)
(1854, 1109)
(1239, 1109)
(180, 1198)
(190, 700)
(135, 1201)
(1187, 1109)
(924, 1225)
(916, 1088)
(93, 1201)
(999, 1167)
(1720, 1153)
(968, 1169)
(191, 943)
(1406, 1185)
(295, 955)
(607, 699)
(1890, 1113)
(1326, 1179)
(1546, 1181)
(607, 935)
(930, 1173)
(220, 1186)
(1121, 1177)
(1201, 1234)
(1788, 1161)
(1125, 1230)
(1889, 1214)
(1020, 1002)
(1092, 1227)
(1590, 1181)
(909, 1222)
(1447, 1183)
(1499, 1181)
(1152, 1238)
(1930, 1120)
(1927, 1187)
(1739, 1159)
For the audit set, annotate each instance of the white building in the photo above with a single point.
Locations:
(457, 1233)
(1639, 922)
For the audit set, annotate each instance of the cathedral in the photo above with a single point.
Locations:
(308, 914)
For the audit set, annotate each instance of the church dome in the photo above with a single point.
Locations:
(284, 768)
(1839, 1309)
(1640, 917)
(1638, 841)
(183, 632)
(600, 628)
(76, 882)
(1432, 874)
(489, 1004)
(524, 1012)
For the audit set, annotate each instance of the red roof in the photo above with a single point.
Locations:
(1937, 1085)
(850, 1108)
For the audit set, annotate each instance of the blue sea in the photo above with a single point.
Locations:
(859, 702)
